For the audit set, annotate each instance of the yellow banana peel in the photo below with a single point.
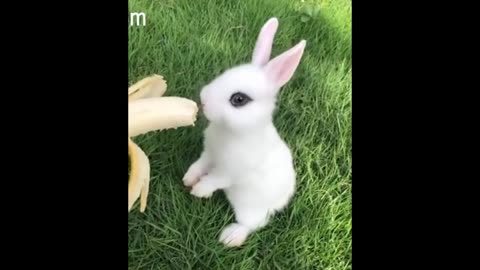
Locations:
(149, 111)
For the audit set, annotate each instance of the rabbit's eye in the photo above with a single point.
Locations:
(239, 99)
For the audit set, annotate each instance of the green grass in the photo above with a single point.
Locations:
(190, 42)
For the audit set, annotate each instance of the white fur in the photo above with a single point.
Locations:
(243, 154)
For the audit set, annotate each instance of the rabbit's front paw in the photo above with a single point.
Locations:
(192, 175)
(203, 189)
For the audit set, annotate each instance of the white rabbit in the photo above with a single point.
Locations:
(244, 155)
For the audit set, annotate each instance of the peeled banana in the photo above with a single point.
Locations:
(149, 111)
(153, 86)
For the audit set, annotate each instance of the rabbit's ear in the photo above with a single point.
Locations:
(263, 47)
(281, 69)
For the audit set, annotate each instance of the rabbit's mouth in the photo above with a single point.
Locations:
(202, 110)
(207, 113)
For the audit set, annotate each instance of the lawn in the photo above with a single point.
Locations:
(190, 42)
